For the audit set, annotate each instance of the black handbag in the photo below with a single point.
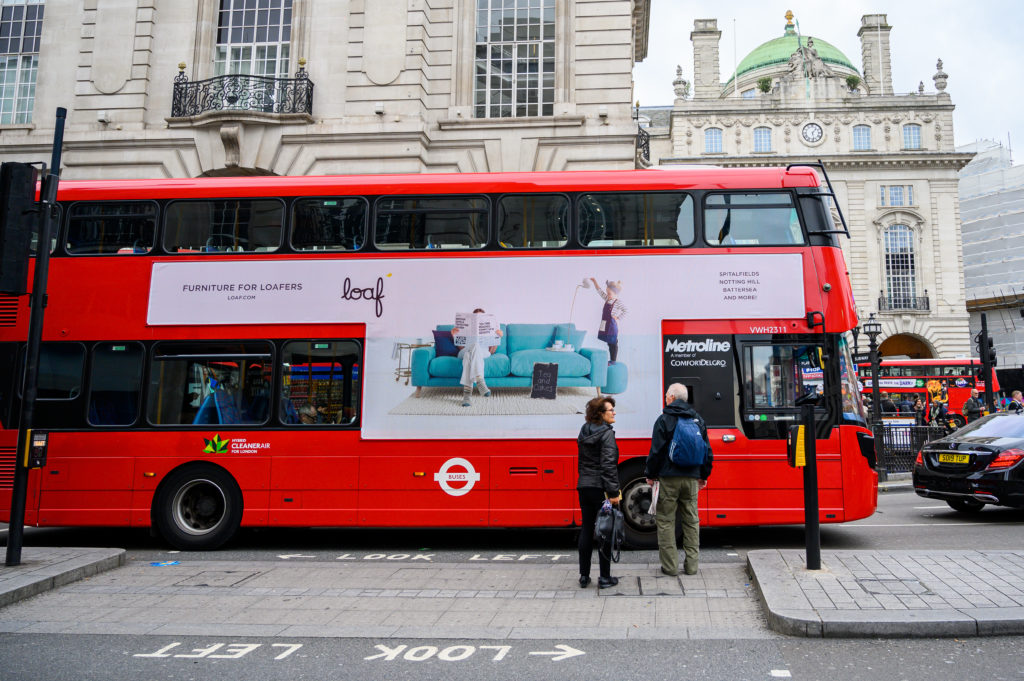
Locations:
(609, 530)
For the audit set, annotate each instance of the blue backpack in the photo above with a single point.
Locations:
(687, 447)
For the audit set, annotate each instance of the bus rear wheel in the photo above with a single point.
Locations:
(641, 532)
(198, 507)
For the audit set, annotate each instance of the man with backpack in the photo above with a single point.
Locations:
(680, 460)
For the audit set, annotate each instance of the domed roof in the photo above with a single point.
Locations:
(779, 50)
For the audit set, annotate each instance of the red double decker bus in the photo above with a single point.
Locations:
(278, 351)
(947, 381)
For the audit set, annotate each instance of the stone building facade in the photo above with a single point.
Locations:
(300, 87)
(890, 158)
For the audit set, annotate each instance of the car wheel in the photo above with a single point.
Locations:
(965, 505)
(197, 507)
(641, 532)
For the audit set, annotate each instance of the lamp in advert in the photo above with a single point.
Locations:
(584, 284)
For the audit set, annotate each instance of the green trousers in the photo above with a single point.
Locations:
(677, 498)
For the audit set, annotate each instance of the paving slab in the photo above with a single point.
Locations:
(46, 568)
(891, 593)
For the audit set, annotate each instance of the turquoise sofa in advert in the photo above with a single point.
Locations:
(511, 365)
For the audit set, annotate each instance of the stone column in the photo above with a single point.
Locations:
(706, 80)
(874, 49)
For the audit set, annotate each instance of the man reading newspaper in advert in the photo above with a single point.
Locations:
(477, 334)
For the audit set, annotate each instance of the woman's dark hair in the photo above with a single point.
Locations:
(478, 310)
(596, 407)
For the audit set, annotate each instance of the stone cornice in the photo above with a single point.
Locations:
(641, 28)
(733, 106)
(908, 160)
(561, 121)
(210, 118)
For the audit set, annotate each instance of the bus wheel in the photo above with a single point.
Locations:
(958, 420)
(198, 507)
(636, 500)
(965, 505)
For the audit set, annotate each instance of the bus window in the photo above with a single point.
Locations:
(111, 227)
(774, 376)
(762, 219)
(210, 383)
(222, 226)
(655, 219)
(115, 384)
(61, 366)
(418, 223)
(533, 221)
(330, 224)
(320, 382)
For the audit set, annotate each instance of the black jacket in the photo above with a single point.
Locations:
(598, 458)
(658, 463)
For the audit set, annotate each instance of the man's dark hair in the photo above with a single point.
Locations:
(597, 406)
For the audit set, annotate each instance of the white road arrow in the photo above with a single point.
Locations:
(294, 555)
(564, 652)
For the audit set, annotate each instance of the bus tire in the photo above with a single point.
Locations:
(636, 500)
(965, 505)
(958, 420)
(197, 507)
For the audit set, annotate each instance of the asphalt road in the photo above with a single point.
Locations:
(903, 521)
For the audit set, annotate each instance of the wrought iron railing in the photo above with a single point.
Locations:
(242, 92)
(898, 445)
(891, 303)
(643, 145)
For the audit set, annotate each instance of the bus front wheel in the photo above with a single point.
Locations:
(198, 507)
(636, 501)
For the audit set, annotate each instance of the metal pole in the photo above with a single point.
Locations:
(47, 206)
(812, 529)
(876, 407)
(986, 365)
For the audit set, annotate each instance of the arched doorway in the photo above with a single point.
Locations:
(907, 346)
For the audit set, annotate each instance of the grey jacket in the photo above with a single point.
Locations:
(598, 458)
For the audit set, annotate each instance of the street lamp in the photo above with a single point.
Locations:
(872, 328)
(856, 348)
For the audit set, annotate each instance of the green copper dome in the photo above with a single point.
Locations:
(778, 51)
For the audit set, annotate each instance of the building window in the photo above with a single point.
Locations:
(912, 136)
(762, 139)
(749, 94)
(515, 58)
(896, 195)
(21, 23)
(253, 37)
(862, 138)
(900, 278)
(713, 141)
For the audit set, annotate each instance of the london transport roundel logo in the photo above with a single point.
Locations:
(446, 476)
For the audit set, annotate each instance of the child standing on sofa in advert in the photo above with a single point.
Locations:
(613, 311)
(478, 333)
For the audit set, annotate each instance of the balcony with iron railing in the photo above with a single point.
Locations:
(900, 303)
(265, 96)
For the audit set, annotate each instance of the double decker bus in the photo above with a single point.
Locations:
(276, 351)
(948, 381)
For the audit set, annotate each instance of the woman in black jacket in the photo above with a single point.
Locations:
(599, 478)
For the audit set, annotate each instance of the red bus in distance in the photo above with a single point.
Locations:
(279, 351)
(928, 379)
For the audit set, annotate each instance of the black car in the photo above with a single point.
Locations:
(981, 463)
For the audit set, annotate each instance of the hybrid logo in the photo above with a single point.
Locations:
(707, 345)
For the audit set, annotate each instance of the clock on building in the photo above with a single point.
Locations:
(812, 132)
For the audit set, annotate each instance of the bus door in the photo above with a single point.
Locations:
(752, 483)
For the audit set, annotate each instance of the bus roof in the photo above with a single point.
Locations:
(427, 183)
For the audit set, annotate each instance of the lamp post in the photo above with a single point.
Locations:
(872, 328)
(856, 332)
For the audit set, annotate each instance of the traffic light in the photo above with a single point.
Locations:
(990, 351)
(17, 219)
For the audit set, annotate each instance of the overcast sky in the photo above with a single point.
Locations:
(981, 45)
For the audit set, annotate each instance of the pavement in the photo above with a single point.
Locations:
(854, 594)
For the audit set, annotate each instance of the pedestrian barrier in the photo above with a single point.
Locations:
(899, 444)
